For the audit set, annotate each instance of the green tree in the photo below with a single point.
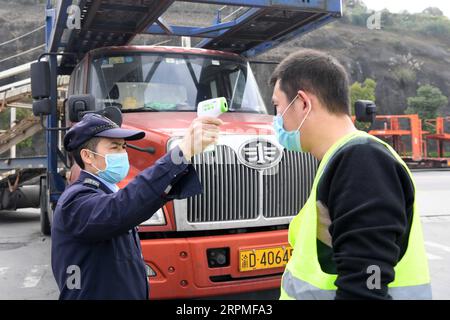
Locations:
(435, 27)
(356, 12)
(433, 11)
(362, 91)
(427, 102)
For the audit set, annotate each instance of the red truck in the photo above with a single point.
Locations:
(232, 238)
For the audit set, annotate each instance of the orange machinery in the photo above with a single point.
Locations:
(392, 131)
(394, 127)
(440, 136)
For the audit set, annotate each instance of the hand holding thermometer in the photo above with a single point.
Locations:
(212, 108)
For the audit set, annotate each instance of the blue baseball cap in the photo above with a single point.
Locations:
(94, 125)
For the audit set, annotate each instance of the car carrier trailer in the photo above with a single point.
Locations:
(232, 238)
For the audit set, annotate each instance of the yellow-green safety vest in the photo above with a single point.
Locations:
(304, 279)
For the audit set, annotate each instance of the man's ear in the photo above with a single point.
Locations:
(305, 99)
(86, 156)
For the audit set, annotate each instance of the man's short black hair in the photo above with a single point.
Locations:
(91, 144)
(316, 72)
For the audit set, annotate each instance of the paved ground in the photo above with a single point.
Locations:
(434, 203)
(25, 271)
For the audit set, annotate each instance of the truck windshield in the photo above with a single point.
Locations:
(173, 82)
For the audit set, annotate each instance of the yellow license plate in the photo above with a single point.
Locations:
(264, 258)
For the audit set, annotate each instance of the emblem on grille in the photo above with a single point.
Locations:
(260, 154)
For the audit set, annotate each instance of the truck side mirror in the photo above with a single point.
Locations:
(365, 111)
(42, 107)
(40, 88)
(79, 105)
(113, 113)
(40, 80)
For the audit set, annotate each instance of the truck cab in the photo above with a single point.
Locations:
(233, 237)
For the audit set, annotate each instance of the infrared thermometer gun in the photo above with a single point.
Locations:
(212, 108)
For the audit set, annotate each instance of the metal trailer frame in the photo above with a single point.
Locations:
(394, 131)
(264, 25)
(440, 136)
(419, 158)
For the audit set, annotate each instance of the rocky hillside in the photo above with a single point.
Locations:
(17, 18)
(400, 63)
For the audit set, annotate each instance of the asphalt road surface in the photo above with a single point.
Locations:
(25, 271)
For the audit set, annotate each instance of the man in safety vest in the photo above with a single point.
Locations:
(359, 234)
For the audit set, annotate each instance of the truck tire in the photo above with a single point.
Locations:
(45, 207)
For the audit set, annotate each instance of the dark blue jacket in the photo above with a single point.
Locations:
(94, 231)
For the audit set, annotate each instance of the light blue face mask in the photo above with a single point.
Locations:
(117, 167)
(288, 139)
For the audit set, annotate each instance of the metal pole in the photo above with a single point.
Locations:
(12, 124)
(55, 183)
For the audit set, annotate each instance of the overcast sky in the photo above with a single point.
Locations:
(411, 6)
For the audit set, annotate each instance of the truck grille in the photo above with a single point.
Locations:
(230, 189)
(285, 192)
(233, 191)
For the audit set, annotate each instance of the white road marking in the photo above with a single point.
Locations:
(434, 218)
(34, 276)
(437, 245)
(3, 270)
(433, 257)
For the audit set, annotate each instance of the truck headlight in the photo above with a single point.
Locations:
(158, 219)
(173, 142)
(150, 272)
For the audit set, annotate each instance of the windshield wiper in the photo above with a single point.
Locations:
(140, 109)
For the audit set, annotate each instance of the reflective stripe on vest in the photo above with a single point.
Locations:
(302, 290)
(304, 277)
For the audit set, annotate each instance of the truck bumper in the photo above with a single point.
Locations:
(182, 271)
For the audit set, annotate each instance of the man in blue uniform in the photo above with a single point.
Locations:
(96, 251)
